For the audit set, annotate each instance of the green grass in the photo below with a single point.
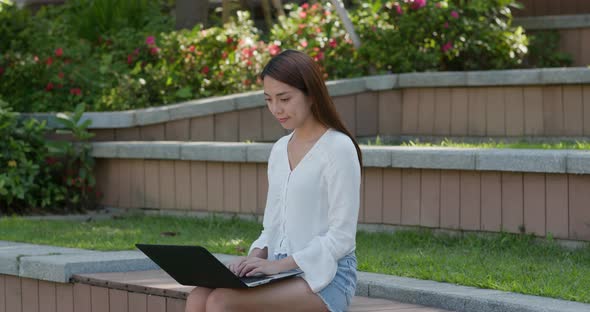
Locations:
(576, 145)
(516, 263)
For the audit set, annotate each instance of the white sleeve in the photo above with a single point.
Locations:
(319, 259)
(270, 219)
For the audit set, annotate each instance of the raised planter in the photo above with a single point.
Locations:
(552, 7)
(532, 191)
(574, 32)
(551, 102)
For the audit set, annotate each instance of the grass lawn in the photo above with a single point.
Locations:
(507, 262)
(576, 145)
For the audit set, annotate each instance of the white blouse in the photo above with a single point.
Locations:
(311, 212)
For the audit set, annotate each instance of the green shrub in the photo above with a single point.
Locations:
(25, 179)
(422, 35)
(544, 51)
(36, 176)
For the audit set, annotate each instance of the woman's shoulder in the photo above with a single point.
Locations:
(338, 145)
(339, 141)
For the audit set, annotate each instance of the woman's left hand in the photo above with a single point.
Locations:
(253, 266)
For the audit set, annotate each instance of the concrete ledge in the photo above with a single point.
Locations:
(61, 267)
(58, 264)
(12, 254)
(346, 86)
(432, 79)
(223, 151)
(554, 22)
(458, 298)
(553, 161)
(255, 99)
(433, 158)
(513, 160)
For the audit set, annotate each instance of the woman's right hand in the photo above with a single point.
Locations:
(236, 264)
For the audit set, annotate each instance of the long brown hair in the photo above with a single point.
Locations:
(298, 70)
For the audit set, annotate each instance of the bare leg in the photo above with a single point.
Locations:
(288, 295)
(197, 299)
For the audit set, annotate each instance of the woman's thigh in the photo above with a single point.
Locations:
(197, 299)
(292, 294)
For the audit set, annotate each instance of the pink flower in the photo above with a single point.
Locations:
(50, 160)
(319, 57)
(318, 30)
(418, 4)
(129, 59)
(154, 50)
(302, 14)
(438, 5)
(1, 71)
(447, 46)
(49, 61)
(315, 6)
(61, 75)
(333, 43)
(454, 14)
(75, 91)
(224, 55)
(136, 52)
(304, 44)
(274, 49)
(446, 25)
(229, 40)
(305, 6)
(59, 52)
(49, 87)
(36, 59)
(150, 40)
(327, 13)
(191, 48)
(247, 52)
(205, 70)
(398, 9)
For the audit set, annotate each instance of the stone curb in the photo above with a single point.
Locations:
(255, 99)
(458, 298)
(58, 264)
(512, 160)
(553, 22)
(60, 268)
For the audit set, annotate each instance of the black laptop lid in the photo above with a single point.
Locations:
(192, 266)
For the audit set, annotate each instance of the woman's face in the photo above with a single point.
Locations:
(290, 106)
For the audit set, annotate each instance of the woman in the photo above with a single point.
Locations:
(312, 204)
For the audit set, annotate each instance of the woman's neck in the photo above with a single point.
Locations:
(310, 131)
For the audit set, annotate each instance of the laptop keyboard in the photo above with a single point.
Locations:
(251, 279)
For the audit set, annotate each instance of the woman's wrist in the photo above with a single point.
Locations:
(287, 264)
(259, 253)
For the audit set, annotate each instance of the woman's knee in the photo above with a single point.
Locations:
(219, 300)
(197, 299)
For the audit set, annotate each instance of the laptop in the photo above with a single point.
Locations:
(196, 266)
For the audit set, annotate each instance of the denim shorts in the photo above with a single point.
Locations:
(338, 294)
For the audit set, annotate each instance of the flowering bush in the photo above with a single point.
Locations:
(186, 64)
(316, 30)
(419, 35)
(49, 66)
